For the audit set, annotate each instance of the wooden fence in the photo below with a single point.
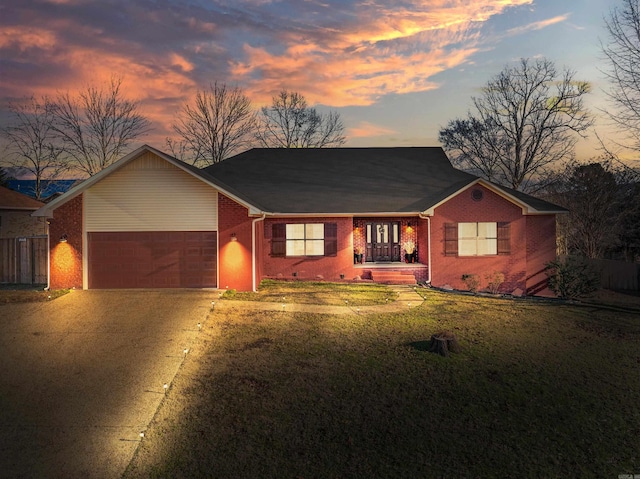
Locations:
(23, 260)
(618, 274)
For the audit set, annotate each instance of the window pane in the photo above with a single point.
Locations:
(467, 230)
(467, 247)
(315, 248)
(487, 230)
(295, 247)
(395, 233)
(487, 246)
(315, 230)
(368, 233)
(295, 231)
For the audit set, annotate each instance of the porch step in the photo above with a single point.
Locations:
(393, 277)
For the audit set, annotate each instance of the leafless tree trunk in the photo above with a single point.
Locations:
(97, 126)
(290, 123)
(31, 142)
(623, 54)
(523, 123)
(220, 123)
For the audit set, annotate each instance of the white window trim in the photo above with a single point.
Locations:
(479, 242)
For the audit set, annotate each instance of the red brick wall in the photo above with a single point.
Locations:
(492, 208)
(327, 267)
(234, 265)
(541, 249)
(66, 258)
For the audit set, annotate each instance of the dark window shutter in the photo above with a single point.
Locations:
(330, 239)
(279, 239)
(451, 239)
(504, 238)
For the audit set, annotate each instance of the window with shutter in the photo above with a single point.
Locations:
(450, 239)
(504, 238)
(300, 239)
(279, 239)
(330, 239)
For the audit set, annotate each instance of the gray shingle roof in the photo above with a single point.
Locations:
(346, 180)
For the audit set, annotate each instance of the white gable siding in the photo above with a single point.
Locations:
(150, 194)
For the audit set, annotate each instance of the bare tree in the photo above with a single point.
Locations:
(623, 57)
(220, 122)
(523, 123)
(97, 126)
(4, 178)
(31, 142)
(290, 123)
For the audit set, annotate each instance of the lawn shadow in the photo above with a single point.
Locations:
(419, 345)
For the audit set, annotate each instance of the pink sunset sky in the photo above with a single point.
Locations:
(396, 71)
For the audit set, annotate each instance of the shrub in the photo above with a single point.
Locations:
(572, 277)
(495, 280)
(472, 281)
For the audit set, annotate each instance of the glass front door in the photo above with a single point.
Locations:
(383, 241)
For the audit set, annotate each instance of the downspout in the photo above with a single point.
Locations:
(428, 218)
(253, 251)
(46, 222)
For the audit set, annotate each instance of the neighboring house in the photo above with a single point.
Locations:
(15, 215)
(150, 220)
(23, 242)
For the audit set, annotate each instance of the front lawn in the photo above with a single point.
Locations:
(538, 390)
(322, 293)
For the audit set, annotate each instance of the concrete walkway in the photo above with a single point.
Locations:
(83, 375)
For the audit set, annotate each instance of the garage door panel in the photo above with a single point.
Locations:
(152, 259)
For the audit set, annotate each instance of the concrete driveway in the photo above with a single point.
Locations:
(81, 377)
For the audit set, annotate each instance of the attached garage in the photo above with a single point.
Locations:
(150, 224)
(166, 259)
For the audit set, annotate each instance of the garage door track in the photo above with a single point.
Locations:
(83, 375)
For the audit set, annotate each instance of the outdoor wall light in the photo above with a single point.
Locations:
(63, 238)
(234, 237)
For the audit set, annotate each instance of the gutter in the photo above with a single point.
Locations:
(253, 251)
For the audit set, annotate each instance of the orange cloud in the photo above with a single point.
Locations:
(389, 50)
(365, 129)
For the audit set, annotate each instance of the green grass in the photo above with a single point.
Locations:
(322, 293)
(538, 390)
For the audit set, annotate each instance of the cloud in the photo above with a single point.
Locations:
(335, 52)
(537, 25)
(365, 129)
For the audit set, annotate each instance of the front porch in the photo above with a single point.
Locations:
(393, 272)
(390, 249)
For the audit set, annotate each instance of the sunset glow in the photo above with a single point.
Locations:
(352, 56)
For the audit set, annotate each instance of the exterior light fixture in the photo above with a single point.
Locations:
(63, 238)
(234, 237)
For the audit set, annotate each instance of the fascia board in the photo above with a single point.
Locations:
(526, 208)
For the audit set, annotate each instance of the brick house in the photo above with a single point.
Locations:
(383, 214)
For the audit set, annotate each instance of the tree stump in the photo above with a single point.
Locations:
(443, 343)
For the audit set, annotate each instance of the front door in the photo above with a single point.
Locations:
(383, 241)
